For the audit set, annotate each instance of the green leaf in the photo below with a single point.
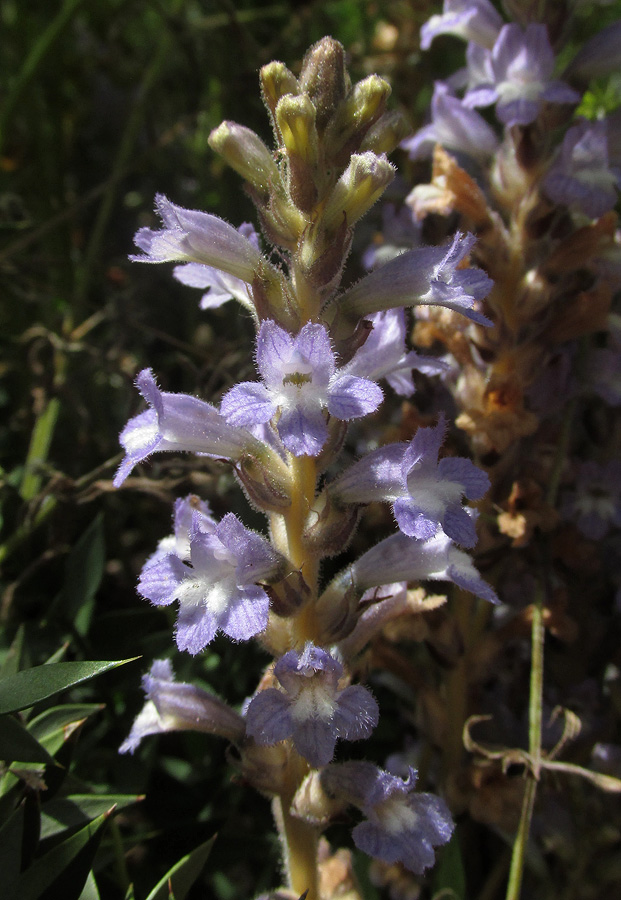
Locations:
(183, 874)
(17, 745)
(62, 813)
(12, 662)
(60, 719)
(11, 851)
(90, 891)
(449, 876)
(84, 571)
(26, 688)
(62, 872)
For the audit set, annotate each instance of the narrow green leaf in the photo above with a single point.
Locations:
(17, 745)
(59, 717)
(62, 872)
(449, 875)
(26, 688)
(83, 574)
(11, 852)
(130, 893)
(40, 441)
(63, 813)
(183, 874)
(12, 662)
(90, 890)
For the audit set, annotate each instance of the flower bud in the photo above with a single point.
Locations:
(288, 594)
(276, 81)
(312, 804)
(295, 117)
(361, 184)
(324, 78)
(362, 107)
(387, 133)
(329, 529)
(245, 152)
(265, 488)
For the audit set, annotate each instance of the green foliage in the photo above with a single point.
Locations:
(177, 882)
(31, 686)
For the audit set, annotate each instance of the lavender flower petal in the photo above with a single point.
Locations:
(177, 422)
(311, 710)
(350, 397)
(192, 236)
(402, 825)
(427, 275)
(473, 20)
(268, 717)
(581, 175)
(455, 127)
(248, 403)
(176, 706)
(384, 355)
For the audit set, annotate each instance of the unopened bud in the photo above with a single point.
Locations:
(387, 133)
(288, 594)
(245, 152)
(276, 81)
(312, 804)
(295, 117)
(338, 609)
(324, 78)
(362, 183)
(269, 490)
(362, 107)
(330, 528)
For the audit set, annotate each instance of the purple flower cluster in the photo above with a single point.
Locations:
(320, 352)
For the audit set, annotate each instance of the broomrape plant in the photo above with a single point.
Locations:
(306, 438)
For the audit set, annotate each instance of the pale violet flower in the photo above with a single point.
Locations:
(599, 56)
(311, 709)
(454, 127)
(473, 20)
(177, 422)
(220, 588)
(426, 495)
(186, 512)
(401, 824)
(177, 706)
(221, 287)
(426, 275)
(400, 231)
(581, 175)
(384, 355)
(520, 67)
(192, 236)
(403, 558)
(300, 382)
